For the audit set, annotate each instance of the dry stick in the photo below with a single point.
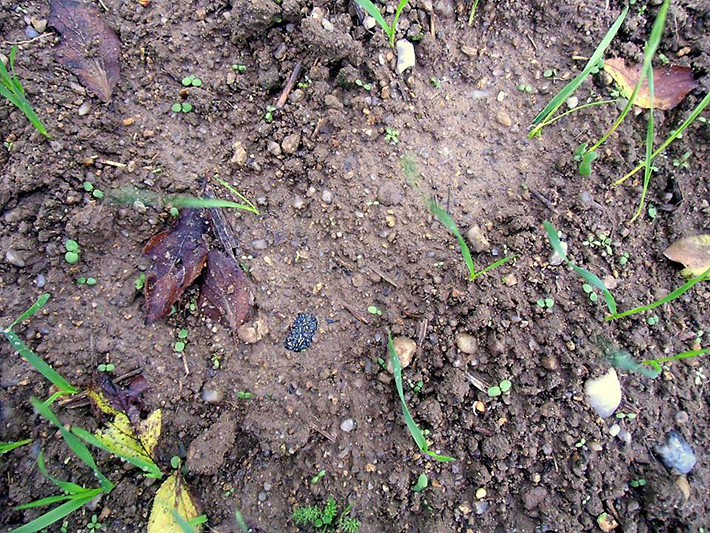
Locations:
(289, 85)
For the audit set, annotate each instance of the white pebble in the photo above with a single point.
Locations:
(405, 55)
(572, 102)
(347, 425)
(604, 393)
(614, 430)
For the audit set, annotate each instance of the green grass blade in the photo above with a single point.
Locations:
(150, 468)
(472, 13)
(672, 296)
(38, 363)
(6, 447)
(44, 501)
(55, 514)
(649, 51)
(239, 195)
(78, 447)
(66, 486)
(492, 266)
(649, 146)
(204, 203)
(656, 363)
(412, 426)
(450, 225)
(397, 13)
(375, 13)
(572, 86)
(593, 279)
(39, 304)
(676, 133)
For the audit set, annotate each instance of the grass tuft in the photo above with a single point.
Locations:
(11, 89)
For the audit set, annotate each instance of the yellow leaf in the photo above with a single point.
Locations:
(120, 438)
(671, 83)
(101, 403)
(149, 431)
(692, 252)
(173, 499)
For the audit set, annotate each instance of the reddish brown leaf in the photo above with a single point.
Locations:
(126, 400)
(670, 83)
(225, 294)
(89, 48)
(178, 255)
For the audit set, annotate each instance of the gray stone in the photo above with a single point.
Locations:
(466, 343)
(14, 258)
(347, 425)
(405, 55)
(326, 196)
(389, 194)
(273, 148)
(290, 143)
(212, 394)
(369, 23)
(504, 119)
(676, 453)
(405, 348)
(259, 244)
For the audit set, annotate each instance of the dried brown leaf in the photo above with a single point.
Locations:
(692, 252)
(178, 255)
(89, 47)
(110, 398)
(225, 295)
(670, 83)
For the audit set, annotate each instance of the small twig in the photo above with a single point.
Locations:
(289, 85)
(421, 332)
(184, 363)
(319, 430)
(479, 384)
(354, 312)
(543, 200)
(111, 163)
(383, 276)
(316, 130)
(42, 36)
(220, 228)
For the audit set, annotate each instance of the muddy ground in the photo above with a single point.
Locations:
(344, 227)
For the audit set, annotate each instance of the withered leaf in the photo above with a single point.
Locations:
(110, 398)
(178, 255)
(692, 252)
(89, 47)
(670, 83)
(173, 503)
(225, 294)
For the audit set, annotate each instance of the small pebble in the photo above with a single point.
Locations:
(477, 238)
(259, 244)
(595, 446)
(347, 425)
(466, 343)
(299, 202)
(273, 148)
(572, 102)
(369, 23)
(326, 196)
(405, 55)
(603, 394)
(389, 194)
(676, 453)
(481, 506)
(556, 259)
(212, 394)
(503, 118)
(31, 32)
(614, 430)
(12, 257)
(85, 108)
(40, 281)
(625, 436)
(291, 143)
(327, 25)
(405, 348)
(681, 417)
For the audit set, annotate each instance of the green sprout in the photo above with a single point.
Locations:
(422, 483)
(593, 279)
(139, 282)
(11, 89)
(191, 80)
(72, 251)
(450, 225)
(244, 395)
(184, 107)
(412, 426)
(391, 136)
(107, 367)
(239, 68)
(545, 303)
(366, 86)
(269, 115)
(6, 447)
(373, 310)
(636, 483)
(374, 12)
(315, 479)
(503, 387)
(436, 82)
(94, 524)
(326, 518)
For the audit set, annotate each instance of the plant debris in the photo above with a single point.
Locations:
(89, 47)
(225, 295)
(178, 254)
(692, 252)
(671, 83)
(173, 506)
